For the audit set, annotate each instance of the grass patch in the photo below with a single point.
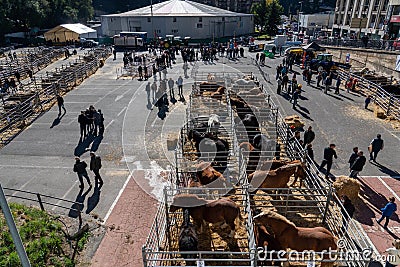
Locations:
(43, 237)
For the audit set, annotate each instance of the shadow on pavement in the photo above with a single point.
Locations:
(83, 146)
(96, 143)
(374, 199)
(304, 114)
(78, 206)
(386, 170)
(94, 199)
(56, 121)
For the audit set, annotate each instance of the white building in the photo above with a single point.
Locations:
(179, 18)
(313, 23)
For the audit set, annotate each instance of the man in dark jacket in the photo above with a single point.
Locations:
(357, 165)
(329, 153)
(82, 124)
(80, 169)
(353, 156)
(95, 166)
(309, 136)
(60, 103)
(375, 146)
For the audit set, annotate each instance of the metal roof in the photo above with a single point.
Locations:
(77, 28)
(178, 8)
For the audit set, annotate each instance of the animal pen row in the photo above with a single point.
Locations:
(310, 202)
(20, 109)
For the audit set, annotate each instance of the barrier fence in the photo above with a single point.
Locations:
(313, 203)
(21, 109)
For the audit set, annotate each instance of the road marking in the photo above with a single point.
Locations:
(121, 111)
(388, 187)
(21, 188)
(116, 199)
(109, 123)
(118, 98)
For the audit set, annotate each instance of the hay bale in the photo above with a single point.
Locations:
(345, 185)
(379, 113)
(295, 121)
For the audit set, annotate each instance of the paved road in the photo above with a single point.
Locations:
(40, 159)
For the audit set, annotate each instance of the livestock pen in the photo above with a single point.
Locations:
(312, 203)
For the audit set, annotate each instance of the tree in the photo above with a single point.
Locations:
(273, 18)
(260, 12)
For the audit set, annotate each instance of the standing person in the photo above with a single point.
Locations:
(295, 97)
(353, 156)
(309, 77)
(327, 84)
(95, 166)
(329, 153)
(60, 103)
(310, 151)
(140, 70)
(367, 101)
(171, 84)
(285, 81)
(101, 123)
(375, 146)
(115, 54)
(153, 91)
(80, 169)
(96, 121)
(179, 82)
(257, 57)
(347, 210)
(319, 78)
(309, 136)
(146, 74)
(338, 81)
(279, 89)
(387, 212)
(154, 72)
(357, 165)
(82, 124)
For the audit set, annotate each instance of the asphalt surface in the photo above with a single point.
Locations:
(41, 158)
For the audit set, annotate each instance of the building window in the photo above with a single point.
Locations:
(199, 25)
(223, 19)
(158, 31)
(240, 18)
(173, 19)
(200, 19)
(174, 31)
(148, 19)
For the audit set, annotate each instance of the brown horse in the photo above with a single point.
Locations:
(219, 93)
(266, 241)
(212, 211)
(297, 238)
(206, 174)
(274, 164)
(278, 178)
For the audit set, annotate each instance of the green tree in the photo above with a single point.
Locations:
(260, 12)
(273, 17)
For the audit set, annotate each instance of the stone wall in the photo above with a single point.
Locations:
(382, 62)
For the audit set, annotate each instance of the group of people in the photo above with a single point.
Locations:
(292, 88)
(94, 165)
(91, 121)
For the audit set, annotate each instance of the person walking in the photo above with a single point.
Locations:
(179, 82)
(375, 146)
(329, 153)
(309, 136)
(310, 151)
(387, 212)
(140, 70)
(60, 103)
(328, 82)
(347, 211)
(367, 101)
(153, 91)
(285, 81)
(319, 78)
(357, 165)
(82, 124)
(95, 166)
(80, 169)
(171, 84)
(146, 74)
(353, 156)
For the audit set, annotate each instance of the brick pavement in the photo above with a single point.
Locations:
(127, 228)
(375, 194)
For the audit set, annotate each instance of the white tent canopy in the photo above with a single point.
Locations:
(69, 32)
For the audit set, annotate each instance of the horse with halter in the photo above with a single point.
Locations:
(188, 240)
(223, 210)
(290, 236)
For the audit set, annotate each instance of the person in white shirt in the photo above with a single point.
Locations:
(393, 257)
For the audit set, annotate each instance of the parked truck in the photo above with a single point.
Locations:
(130, 41)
